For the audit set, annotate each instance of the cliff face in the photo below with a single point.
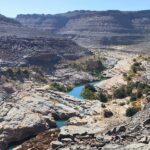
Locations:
(39, 50)
(8, 21)
(88, 28)
(11, 27)
(94, 29)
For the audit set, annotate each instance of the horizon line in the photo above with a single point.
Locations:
(77, 10)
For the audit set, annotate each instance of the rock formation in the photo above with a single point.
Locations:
(110, 27)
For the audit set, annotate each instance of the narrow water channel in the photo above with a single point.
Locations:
(76, 91)
(61, 123)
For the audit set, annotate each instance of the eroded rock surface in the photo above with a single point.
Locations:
(18, 123)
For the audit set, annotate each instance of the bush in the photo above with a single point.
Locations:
(131, 111)
(134, 60)
(103, 106)
(127, 90)
(26, 73)
(122, 103)
(92, 65)
(10, 72)
(88, 94)
(139, 94)
(129, 87)
(133, 98)
(146, 90)
(136, 67)
(127, 77)
(102, 97)
(90, 87)
(120, 92)
(39, 78)
(142, 88)
(60, 87)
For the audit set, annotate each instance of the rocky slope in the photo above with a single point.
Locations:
(86, 133)
(29, 100)
(39, 51)
(92, 124)
(28, 109)
(134, 133)
(110, 27)
(11, 27)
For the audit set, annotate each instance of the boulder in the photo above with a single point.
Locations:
(108, 113)
(56, 144)
(18, 123)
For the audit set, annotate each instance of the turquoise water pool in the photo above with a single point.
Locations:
(61, 123)
(11, 147)
(76, 91)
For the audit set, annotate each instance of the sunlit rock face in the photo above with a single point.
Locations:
(93, 28)
(39, 51)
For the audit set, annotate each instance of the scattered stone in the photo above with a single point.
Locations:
(108, 113)
(56, 144)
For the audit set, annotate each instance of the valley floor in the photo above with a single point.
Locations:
(32, 101)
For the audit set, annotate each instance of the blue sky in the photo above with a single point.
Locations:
(11, 8)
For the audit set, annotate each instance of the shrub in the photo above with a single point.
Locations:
(146, 90)
(10, 72)
(134, 60)
(122, 103)
(129, 88)
(133, 68)
(26, 73)
(90, 87)
(61, 87)
(139, 94)
(103, 106)
(102, 97)
(120, 92)
(39, 78)
(131, 111)
(88, 94)
(92, 65)
(127, 77)
(133, 98)
(136, 67)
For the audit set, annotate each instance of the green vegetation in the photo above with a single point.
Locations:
(91, 65)
(120, 92)
(133, 71)
(90, 87)
(88, 92)
(16, 73)
(122, 103)
(61, 87)
(134, 90)
(103, 105)
(23, 73)
(39, 78)
(136, 67)
(133, 98)
(127, 77)
(131, 111)
(102, 97)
